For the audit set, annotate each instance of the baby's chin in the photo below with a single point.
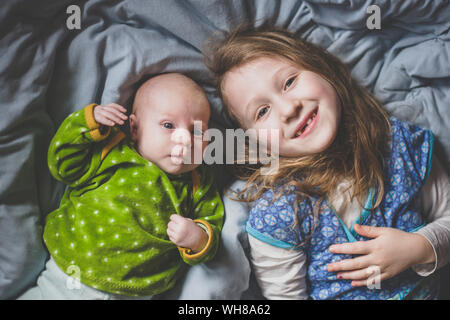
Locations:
(175, 166)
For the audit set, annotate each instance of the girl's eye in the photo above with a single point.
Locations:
(289, 82)
(262, 112)
(168, 125)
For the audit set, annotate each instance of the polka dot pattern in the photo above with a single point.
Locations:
(113, 217)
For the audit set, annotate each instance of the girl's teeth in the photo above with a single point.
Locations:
(306, 125)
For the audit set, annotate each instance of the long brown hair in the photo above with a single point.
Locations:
(359, 147)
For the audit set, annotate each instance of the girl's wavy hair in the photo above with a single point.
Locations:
(358, 151)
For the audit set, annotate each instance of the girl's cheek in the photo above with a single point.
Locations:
(269, 138)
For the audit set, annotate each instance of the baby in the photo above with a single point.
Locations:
(124, 225)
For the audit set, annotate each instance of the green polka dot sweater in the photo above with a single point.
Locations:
(113, 217)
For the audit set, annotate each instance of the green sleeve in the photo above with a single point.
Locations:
(74, 155)
(209, 214)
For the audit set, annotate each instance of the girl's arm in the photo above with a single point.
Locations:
(425, 250)
(435, 199)
(280, 273)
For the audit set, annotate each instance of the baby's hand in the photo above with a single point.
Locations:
(185, 233)
(110, 114)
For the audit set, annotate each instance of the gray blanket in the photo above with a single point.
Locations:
(48, 71)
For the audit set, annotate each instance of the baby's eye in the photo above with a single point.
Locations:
(289, 82)
(198, 133)
(262, 112)
(168, 125)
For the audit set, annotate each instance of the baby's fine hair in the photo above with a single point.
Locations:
(359, 148)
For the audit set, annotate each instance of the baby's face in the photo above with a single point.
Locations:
(170, 126)
(274, 94)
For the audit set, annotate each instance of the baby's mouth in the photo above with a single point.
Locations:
(177, 160)
(178, 154)
(306, 123)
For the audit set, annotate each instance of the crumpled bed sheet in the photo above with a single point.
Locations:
(48, 71)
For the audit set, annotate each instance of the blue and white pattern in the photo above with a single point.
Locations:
(406, 170)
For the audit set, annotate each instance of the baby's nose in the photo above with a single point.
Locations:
(181, 136)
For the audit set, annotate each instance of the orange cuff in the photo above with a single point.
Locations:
(187, 253)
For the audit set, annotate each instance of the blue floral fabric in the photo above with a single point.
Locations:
(290, 222)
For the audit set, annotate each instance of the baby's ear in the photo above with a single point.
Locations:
(133, 127)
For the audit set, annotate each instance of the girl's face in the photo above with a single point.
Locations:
(271, 93)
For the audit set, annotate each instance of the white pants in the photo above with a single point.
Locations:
(54, 284)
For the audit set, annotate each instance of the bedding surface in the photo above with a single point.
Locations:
(48, 71)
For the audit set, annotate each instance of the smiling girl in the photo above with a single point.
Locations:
(347, 172)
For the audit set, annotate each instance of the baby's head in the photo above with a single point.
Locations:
(170, 114)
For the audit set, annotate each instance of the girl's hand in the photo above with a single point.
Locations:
(186, 233)
(110, 114)
(391, 251)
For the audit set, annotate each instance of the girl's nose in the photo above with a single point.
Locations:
(289, 108)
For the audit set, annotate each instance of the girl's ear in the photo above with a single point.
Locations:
(133, 127)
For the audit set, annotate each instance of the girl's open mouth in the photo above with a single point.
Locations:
(307, 126)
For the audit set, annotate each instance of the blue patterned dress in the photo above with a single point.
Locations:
(406, 169)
